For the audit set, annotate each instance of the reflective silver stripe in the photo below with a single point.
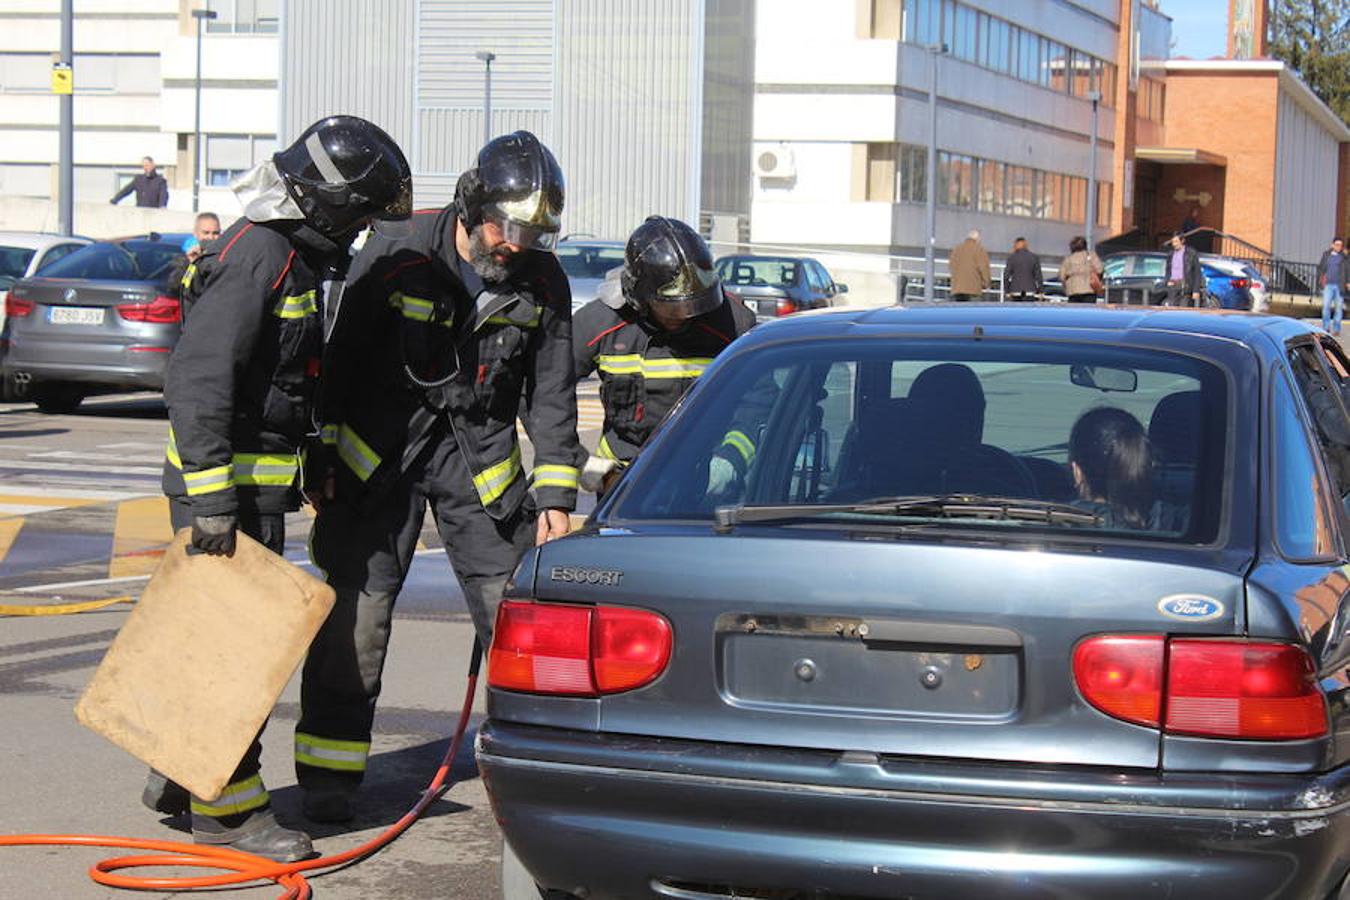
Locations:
(239, 797)
(326, 753)
(322, 161)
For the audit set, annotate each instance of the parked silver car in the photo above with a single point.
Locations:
(103, 318)
(586, 262)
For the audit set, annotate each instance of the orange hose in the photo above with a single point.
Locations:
(241, 868)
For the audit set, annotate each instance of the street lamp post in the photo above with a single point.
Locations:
(1096, 98)
(487, 56)
(930, 207)
(66, 139)
(197, 155)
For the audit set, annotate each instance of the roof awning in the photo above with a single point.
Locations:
(1181, 156)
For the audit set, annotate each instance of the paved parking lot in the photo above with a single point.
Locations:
(80, 518)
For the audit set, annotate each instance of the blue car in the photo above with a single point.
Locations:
(1140, 277)
(952, 602)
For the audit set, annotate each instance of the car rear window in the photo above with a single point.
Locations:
(1134, 438)
(746, 271)
(14, 261)
(589, 262)
(124, 261)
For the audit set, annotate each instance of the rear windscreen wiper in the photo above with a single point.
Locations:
(942, 506)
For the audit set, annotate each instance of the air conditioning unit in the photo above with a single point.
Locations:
(775, 162)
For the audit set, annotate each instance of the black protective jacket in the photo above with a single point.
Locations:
(644, 370)
(412, 346)
(151, 190)
(241, 379)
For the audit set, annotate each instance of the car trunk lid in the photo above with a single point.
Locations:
(858, 641)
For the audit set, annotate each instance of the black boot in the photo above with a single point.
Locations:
(328, 805)
(163, 795)
(259, 833)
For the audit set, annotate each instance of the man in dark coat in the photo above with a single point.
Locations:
(1022, 279)
(150, 187)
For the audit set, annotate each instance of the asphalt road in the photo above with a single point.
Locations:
(81, 518)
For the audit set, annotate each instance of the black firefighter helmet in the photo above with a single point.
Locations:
(668, 272)
(518, 186)
(344, 171)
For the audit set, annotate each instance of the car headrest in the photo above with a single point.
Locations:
(948, 404)
(1174, 428)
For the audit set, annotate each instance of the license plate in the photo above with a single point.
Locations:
(75, 315)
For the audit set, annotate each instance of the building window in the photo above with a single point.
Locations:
(885, 19)
(230, 155)
(913, 175)
(955, 177)
(989, 197)
(881, 172)
(1152, 94)
(25, 73)
(243, 16)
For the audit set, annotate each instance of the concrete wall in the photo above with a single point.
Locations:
(96, 220)
(1307, 162)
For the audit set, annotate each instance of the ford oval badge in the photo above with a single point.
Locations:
(1191, 607)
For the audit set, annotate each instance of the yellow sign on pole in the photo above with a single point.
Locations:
(63, 80)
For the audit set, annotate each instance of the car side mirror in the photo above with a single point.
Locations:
(840, 288)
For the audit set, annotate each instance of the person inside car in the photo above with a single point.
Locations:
(1112, 467)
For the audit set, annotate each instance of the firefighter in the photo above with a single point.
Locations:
(240, 382)
(440, 337)
(654, 326)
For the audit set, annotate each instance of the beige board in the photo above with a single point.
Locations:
(195, 671)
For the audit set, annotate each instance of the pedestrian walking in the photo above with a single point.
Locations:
(1185, 278)
(1081, 272)
(1022, 278)
(1333, 276)
(240, 384)
(969, 268)
(444, 338)
(151, 189)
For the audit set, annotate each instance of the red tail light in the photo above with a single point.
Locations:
(548, 648)
(1241, 689)
(16, 308)
(1242, 282)
(1122, 676)
(160, 311)
(1205, 687)
(785, 307)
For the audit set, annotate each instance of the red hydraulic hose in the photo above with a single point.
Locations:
(244, 868)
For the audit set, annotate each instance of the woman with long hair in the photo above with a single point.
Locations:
(1112, 466)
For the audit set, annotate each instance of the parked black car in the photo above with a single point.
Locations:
(774, 286)
(103, 318)
(942, 639)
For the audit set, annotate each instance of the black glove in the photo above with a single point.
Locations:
(214, 534)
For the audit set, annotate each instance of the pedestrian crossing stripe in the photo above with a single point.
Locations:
(9, 530)
(141, 533)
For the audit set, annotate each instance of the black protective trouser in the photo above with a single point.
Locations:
(365, 551)
(242, 796)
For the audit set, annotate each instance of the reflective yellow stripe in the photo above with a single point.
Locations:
(635, 364)
(296, 307)
(625, 364)
(328, 434)
(258, 469)
(325, 753)
(555, 476)
(186, 281)
(356, 453)
(532, 322)
(171, 452)
(743, 445)
(239, 797)
(208, 481)
(416, 308)
(493, 481)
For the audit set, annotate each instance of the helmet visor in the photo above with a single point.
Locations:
(531, 222)
(693, 292)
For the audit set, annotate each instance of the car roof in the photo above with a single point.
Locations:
(38, 240)
(1041, 320)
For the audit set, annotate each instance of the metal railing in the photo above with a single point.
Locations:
(1283, 275)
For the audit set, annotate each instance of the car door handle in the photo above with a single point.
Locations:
(908, 631)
